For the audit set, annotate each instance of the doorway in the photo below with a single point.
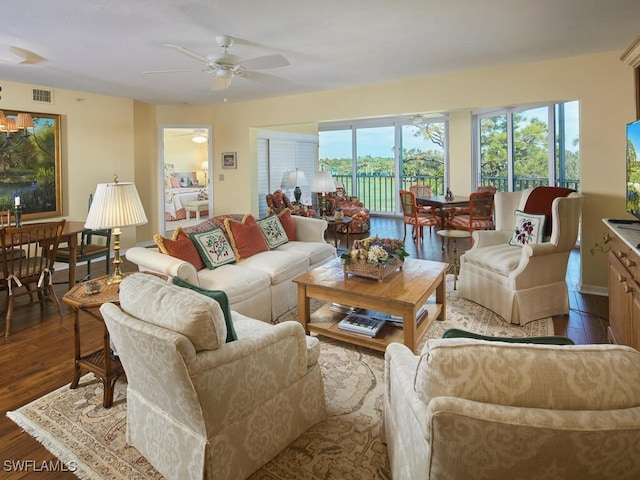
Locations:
(186, 193)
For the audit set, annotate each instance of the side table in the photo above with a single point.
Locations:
(101, 362)
(334, 224)
(455, 265)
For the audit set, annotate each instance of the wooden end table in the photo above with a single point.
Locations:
(102, 362)
(333, 222)
(455, 265)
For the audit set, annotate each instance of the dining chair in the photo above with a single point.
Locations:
(88, 249)
(477, 216)
(413, 216)
(486, 188)
(29, 273)
(422, 191)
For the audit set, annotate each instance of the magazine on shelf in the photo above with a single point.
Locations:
(340, 308)
(396, 320)
(363, 324)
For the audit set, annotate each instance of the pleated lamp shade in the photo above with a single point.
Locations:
(115, 205)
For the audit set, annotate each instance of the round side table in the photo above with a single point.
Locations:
(455, 265)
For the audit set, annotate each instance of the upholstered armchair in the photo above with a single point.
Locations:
(278, 201)
(199, 403)
(473, 409)
(522, 282)
(351, 207)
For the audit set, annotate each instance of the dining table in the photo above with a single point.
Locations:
(70, 235)
(441, 204)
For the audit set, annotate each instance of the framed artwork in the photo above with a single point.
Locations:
(30, 171)
(229, 160)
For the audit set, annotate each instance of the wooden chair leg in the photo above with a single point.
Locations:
(9, 316)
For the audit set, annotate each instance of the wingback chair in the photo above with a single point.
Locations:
(526, 282)
(351, 207)
(473, 409)
(202, 405)
(278, 201)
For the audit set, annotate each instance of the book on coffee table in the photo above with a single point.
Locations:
(362, 324)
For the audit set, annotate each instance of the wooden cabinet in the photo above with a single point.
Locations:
(624, 291)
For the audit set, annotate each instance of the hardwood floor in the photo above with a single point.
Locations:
(38, 357)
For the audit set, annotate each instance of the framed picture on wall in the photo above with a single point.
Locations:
(30, 164)
(229, 160)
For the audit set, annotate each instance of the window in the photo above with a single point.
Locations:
(376, 159)
(529, 146)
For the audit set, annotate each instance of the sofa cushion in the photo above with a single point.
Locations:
(279, 265)
(213, 247)
(246, 237)
(542, 376)
(154, 300)
(238, 283)
(529, 228)
(179, 246)
(220, 297)
(503, 258)
(273, 232)
(314, 251)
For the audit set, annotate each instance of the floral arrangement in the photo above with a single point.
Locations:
(375, 251)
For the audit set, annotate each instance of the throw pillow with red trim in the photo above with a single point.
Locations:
(180, 246)
(245, 236)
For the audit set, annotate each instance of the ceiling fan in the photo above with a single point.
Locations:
(226, 66)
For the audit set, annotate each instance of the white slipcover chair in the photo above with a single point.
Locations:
(200, 408)
(454, 412)
(521, 283)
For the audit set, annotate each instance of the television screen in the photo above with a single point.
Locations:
(633, 168)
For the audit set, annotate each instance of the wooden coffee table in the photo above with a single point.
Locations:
(402, 293)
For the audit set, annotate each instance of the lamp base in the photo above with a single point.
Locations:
(297, 193)
(117, 275)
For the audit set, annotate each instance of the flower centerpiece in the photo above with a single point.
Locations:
(374, 257)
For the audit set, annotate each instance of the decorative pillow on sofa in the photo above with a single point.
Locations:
(273, 231)
(220, 297)
(529, 229)
(213, 247)
(246, 237)
(179, 246)
(288, 224)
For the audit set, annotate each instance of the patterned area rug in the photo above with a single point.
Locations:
(73, 425)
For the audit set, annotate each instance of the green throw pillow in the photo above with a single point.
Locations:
(550, 340)
(220, 297)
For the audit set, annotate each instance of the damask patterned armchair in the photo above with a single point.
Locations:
(278, 201)
(351, 207)
(201, 404)
(466, 409)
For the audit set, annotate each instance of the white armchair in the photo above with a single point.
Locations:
(198, 407)
(473, 409)
(521, 283)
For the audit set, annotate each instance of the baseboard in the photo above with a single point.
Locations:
(593, 290)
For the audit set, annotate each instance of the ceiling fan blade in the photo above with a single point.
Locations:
(268, 61)
(167, 71)
(220, 83)
(265, 78)
(189, 53)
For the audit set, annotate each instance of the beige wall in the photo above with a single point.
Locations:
(104, 135)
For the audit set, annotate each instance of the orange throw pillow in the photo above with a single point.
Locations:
(180, 246)
(287, 223)
(246, 237)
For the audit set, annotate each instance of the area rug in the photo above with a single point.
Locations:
(90, 439)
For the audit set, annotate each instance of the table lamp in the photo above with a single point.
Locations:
(115, 205)
(297, 179)
(205, 168)
(323, 183)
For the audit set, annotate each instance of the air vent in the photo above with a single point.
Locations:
(40, 95)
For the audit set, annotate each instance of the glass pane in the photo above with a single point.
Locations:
(335, 152)
(530, 148)
(422, 156)
(375, 168)
(568, 145)
(494, 152)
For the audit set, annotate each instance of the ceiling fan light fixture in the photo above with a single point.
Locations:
(199, 139)
(224, 73)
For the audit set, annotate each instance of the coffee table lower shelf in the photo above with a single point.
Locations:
(324, 322)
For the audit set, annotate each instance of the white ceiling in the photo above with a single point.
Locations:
(103, 46)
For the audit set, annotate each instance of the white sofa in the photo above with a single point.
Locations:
(472, 409)
(259, 286)
(202, 408)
